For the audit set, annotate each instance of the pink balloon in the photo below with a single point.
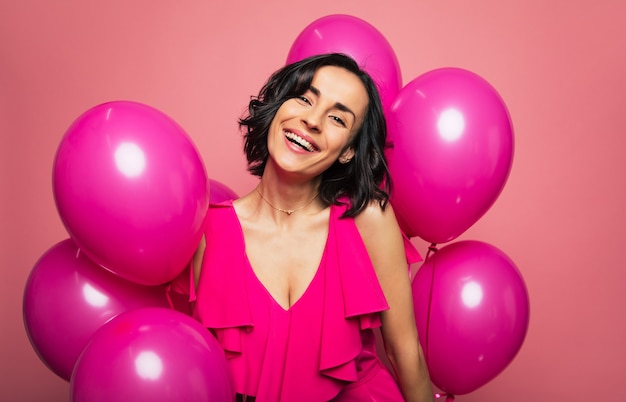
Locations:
(68, 297)
(132, 191)
(472, 313)
(452, 152)
(220, 192)
(152, 354)
(356, 38)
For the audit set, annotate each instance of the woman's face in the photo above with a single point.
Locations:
(309, 133)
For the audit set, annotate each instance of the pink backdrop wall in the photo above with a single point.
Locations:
(559, 66)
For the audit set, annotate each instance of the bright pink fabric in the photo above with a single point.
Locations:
(323, 346)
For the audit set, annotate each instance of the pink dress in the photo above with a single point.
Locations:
(320, 349)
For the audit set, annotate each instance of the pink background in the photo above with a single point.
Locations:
(559, 65)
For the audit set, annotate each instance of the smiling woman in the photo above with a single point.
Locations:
(308, 264)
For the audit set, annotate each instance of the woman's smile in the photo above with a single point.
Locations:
(301, 142)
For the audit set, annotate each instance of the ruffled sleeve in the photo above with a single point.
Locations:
(353, 298)
(218, 307)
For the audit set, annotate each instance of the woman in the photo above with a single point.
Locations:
(294, 277)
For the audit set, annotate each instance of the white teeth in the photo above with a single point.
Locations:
(300, 141)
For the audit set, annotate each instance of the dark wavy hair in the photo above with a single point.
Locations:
(366, 177)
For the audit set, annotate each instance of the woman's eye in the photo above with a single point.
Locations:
(338, 120)
(304, 99)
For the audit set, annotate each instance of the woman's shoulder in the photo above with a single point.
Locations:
(375, 217)
(379, 228)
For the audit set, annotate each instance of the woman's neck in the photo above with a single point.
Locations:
(287, 197)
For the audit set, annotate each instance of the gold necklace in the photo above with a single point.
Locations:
(285, 211)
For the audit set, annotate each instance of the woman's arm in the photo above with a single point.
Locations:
(385, 245)
(197, 260)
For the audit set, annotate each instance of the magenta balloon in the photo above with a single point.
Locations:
(356, 38)
(132, 191)
(452, 152)
(68, 297)
(152, 354)
(472, 312)
(220, 192)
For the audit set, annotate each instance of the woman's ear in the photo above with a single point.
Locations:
(346, 156)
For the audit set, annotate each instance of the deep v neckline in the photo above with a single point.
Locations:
(260, 282)
(298, 301)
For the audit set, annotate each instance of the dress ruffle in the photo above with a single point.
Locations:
(353, 298)
(224, 305)
(351, 303)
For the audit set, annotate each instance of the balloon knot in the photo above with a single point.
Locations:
(432, 249)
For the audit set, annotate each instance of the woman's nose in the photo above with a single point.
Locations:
(312, 119)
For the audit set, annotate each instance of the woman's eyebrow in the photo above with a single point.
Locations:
(337, 105)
